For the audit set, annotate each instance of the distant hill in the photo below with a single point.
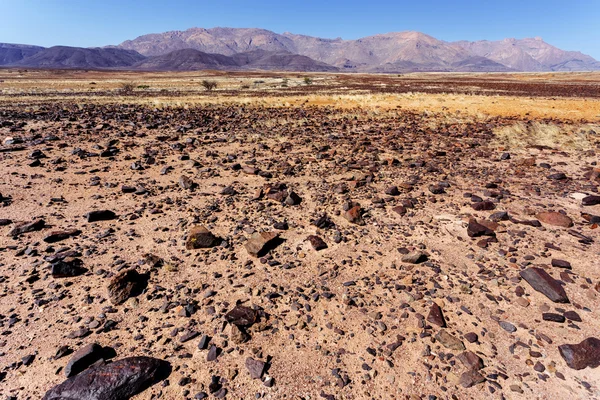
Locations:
(530, 55)
(77, 57)
(391, 52)
(12, 53)
(261, 49)
(193, 60)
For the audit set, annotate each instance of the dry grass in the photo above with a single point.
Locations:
(286, 89)
(564, 136)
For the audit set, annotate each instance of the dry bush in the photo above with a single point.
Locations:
(562, 137)
(127, 88)
(209, 85)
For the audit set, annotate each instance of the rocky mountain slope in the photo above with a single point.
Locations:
(398, 51)
(77, 57)
(194, 60)
(11, 53)
(530, 55)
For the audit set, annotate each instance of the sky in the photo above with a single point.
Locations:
(567, 24)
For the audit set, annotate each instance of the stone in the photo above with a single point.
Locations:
(121, 379)
(258, 243)
(241, 316)
(67, 268)
(545, 284)
(293, 199)
(186, 183)
(22, 228)
(590, 200)
(316, 242)
(400, 210)
(256, 368)
(561, 264)
(471, 378)
(553, 317)
(239, 335)
(507, 326)
(201, 238)
(435, 316)
(475, 229)
(449, 341)
(555, 219)
(83, 358)
(483, 206)
(57, 236)
(470, 360)
(416, 257)
(354, 215)
(392, 191)
(582, 355)
(125, 284)
(101, 215)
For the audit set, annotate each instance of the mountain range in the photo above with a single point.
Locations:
(260, 49)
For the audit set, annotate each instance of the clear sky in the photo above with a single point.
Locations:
(568, 24)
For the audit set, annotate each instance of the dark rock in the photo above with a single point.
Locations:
(201, 238)
(392, 191)
(545, 284)
(557, 177)
(57, 236)
(435, 316)
(255, 367)
(241, 316)
(416, 257)
(471, 378)
(27, 227)
(186, 183)
(293, 199)
(470, 360)
(553, 317)
(475, 229)
(68, 267)
(561, 264)
(83, 358)
(260, 243)
(316, 242)
(582, 355)
(590, 200)
(483, 206)
(499, 216)
(116, 381)
(572, 316)
(101, 215)
(126, 284)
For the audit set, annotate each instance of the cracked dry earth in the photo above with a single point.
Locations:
(212, 253)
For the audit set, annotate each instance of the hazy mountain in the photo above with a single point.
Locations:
(279, 60)
(186, 60)
(193, 60)
(530, 55)
(11, 53)
(77, 57)
(391, 52)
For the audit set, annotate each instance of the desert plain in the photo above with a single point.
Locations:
(301, 235)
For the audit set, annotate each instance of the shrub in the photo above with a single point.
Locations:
(209, 85)
(308, 80)
(127, 88)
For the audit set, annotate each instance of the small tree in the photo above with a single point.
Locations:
(127, 88)
(209, 85)
(308, 80)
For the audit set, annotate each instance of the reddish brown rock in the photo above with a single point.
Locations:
(201, 238)
(259, 242)
(554, 218)
(582, 355)
(545, 284)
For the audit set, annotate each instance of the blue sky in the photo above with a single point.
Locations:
(568, 24)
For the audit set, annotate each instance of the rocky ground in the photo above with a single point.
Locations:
(292, 253)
